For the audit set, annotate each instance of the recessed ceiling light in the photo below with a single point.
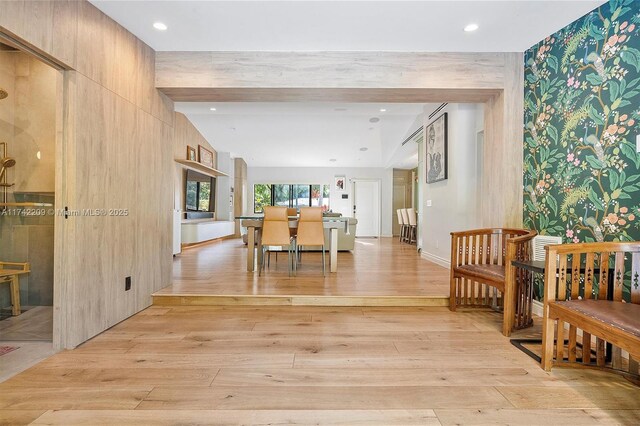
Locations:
(364, 148)
(374, 120)
(212, 109)
(333, 160)
(160, 26)
(471, 27)
(383, 110)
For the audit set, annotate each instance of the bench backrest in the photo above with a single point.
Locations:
(490, 246)
(608, 271)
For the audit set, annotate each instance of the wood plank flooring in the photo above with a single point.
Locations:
(379, 272)
(223, 365)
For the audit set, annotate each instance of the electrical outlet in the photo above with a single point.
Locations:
(127, 284)
(428, 203)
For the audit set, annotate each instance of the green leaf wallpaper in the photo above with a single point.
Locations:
(582, 100)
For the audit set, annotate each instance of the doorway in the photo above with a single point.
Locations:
(366, 207)
(28, 135)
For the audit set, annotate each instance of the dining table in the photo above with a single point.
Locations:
(254, 237)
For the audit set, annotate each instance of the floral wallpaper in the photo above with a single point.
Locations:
(582, 100)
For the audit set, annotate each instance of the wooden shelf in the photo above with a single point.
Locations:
(201, 168)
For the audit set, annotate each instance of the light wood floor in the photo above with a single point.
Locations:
(310, 365)
(376, 267)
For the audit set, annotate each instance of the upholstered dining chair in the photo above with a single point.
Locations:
(311, 230)
(405, 220)
(413, 226)
(401, 223)
(291, 212)
(275, 233)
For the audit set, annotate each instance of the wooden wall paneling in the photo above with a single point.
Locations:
(240, 190)
(512, 143)
(330, 70)
(261, 94)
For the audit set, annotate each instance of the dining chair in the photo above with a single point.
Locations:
(401, 223)
(275, 233)
(311, 230)
(291, 212)
(413, 225)
(405, 220)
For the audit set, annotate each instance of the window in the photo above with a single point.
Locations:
(261, 196)
(280, 195)
(290, 195)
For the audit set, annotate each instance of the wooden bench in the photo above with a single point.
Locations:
(480, 259)
(579, 292)
(9, 273)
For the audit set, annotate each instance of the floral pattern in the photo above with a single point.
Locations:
(582, 96)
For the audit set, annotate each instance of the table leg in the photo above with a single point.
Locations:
(15, 295)
(251, 244)
(259, 249)
(333, 250)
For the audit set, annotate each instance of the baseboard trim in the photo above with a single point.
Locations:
(445, 263)
(537, 308)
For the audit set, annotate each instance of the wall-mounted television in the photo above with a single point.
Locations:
(200, 192)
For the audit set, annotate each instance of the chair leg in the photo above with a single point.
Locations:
(295, 258)
(261, 263)
(324, 273)
(15, 295)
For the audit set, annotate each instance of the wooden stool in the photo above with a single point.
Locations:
(9, 273)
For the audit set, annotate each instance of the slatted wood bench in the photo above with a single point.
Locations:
(480, 259)
(579, 292)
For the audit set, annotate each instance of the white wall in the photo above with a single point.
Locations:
(454, 200)
(325, 175)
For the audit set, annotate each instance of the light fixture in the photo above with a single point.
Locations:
(364, 148)
(470, 28)
(374, 120)
(160, 26)
(333, 160)
(383, 110)
(38, 155)
(212, 109)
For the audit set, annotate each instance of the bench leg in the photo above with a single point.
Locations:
(452, 294)
(15, 295)
(508, 307)
(547, 340)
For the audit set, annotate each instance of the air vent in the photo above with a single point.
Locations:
(416, 137)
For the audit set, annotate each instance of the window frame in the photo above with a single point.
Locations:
(291, 194)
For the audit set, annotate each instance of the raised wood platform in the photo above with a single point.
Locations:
(379, 272)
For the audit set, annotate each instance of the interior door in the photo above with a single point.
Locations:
(366, 207)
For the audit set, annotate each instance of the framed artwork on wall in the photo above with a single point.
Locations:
(436, 135)
(191, 153)
(205, 156)
(340, 183)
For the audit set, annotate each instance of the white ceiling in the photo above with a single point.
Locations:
(297, 134)
(505, 26)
